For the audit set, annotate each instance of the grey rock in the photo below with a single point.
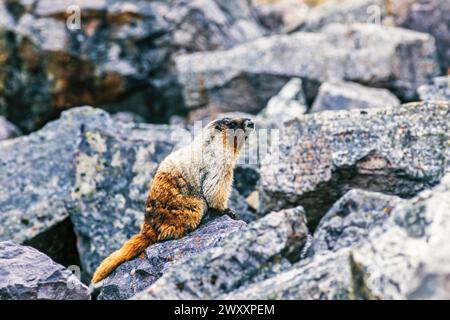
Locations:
(239, 205)
(120, 57)
(281, 16)
(245, 77)
(325, 277)
(258, 252)
(438, 90)
(403, 59)
(27, 274)
(36, 181)
(138, 274)
(405, 257)
(350, 220)
(8, 130)
(347, 95)
(342, 11)
(113, 169)
(431, 16)
(398, 151)
(287, 104)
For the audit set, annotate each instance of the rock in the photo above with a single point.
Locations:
(347, 95)
(350, 220)
(326, 277)
(405, 257)
(438, 90)
(282, 15)
(399, 151)
(238, 203)
(115, 54)
(246, 178)
(258, 252)
(114, 167)
(27, 274)
(35, 184)
(431, 16)
(127, 117)
(138, 274)
(287, 104)
(8, 130)
(245, 77)
(342, 11)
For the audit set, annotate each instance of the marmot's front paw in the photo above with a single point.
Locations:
(230, 212)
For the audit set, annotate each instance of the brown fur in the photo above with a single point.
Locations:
(171, 212)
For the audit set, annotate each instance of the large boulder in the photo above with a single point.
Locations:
(336, 95)
(350, 220)
(431, 16)
(397, 150)
(406, 256)
(116, 54)
(342, 11)
(27, 274)
(389, 13)
(137, 274)
(325, 277)
(36, 180)
(263, 249)
(245, 77)
(439, 89)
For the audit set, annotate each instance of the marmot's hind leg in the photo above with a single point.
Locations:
(183, 217)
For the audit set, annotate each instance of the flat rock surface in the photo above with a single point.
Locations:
(27, 274)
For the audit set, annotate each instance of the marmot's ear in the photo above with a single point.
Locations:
(221, 124)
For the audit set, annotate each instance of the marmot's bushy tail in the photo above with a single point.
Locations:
(129, 250)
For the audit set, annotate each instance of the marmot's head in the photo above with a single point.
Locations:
(231, 132)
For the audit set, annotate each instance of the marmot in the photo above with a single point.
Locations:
(188, 183)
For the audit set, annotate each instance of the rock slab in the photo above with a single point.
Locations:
(398, 151)
(27, 274)
(137, 274)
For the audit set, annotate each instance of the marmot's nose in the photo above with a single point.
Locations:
(248, 123)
